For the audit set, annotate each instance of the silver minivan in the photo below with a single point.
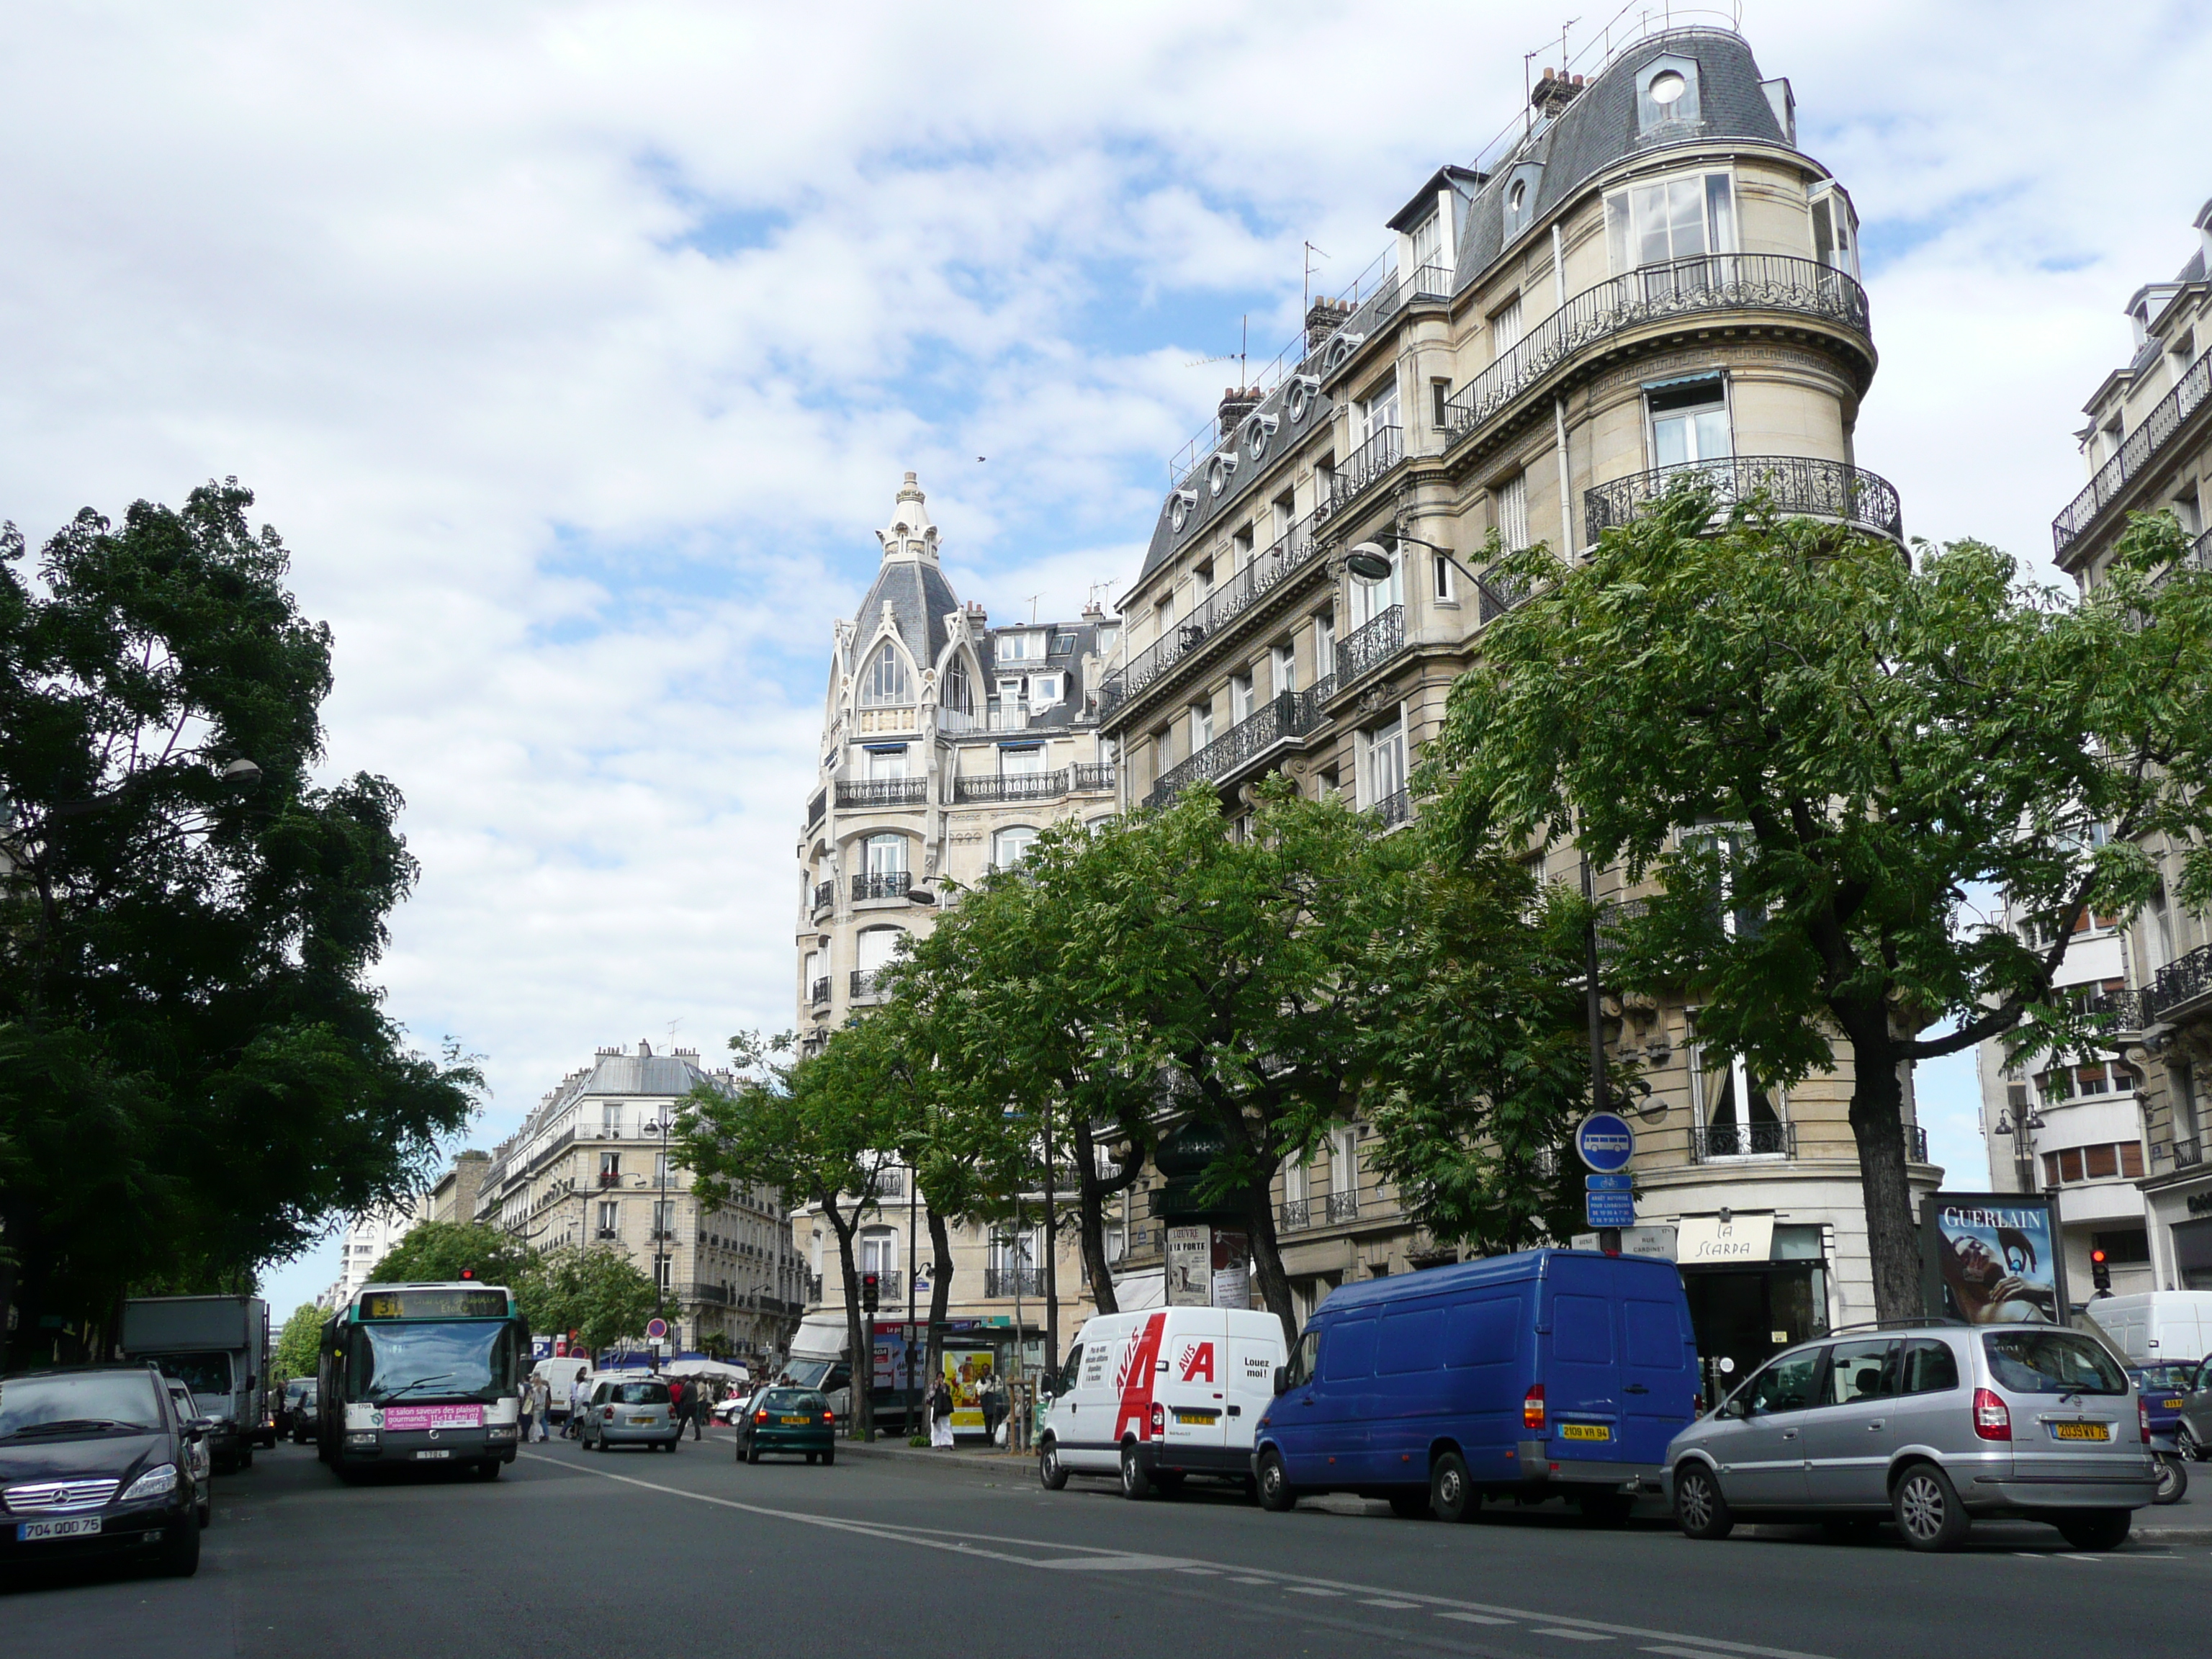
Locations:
(1930, 1424)
(630, 1410)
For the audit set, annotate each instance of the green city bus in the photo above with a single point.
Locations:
(423, 1374)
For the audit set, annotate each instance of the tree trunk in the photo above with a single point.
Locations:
(1091, 1194)
(860, 1344)
(1268, 1257)
(940, 1296)
(1878, 1127)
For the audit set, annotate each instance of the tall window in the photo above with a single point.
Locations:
(886, 681)
(1505, 327)
(1344, 1161)
(610, 1218)
(1023, 761)
(1428, 240)
(1511, 510)
(1679, 218)
(1324, 644)
(879, 1251)
(1009, 847)
(1202, 725)
(1385, 767)
(664, 1217)
(1371, 599)
(958, 693)
(610, 1118)
(610, 1168)
(886, 855)
(887, 763)
(1836, 232)
(1282, 670)
(1690, 423)
(1742, 1116)
(1380, 410)
(876, 947)
(1240, 698)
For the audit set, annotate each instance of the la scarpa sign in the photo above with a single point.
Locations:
(1710, 1239)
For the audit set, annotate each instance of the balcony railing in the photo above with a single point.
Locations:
(1709, 1141)
(1267, 572)
(1275, 721)
(1915, 1144)
(2187, 1154)
(870, 722)
(2136, 450)
(1090, 776)
(1013, 786)
(1343, 1207)
(2182, 980)
(1394, 809)
(864, 982)
(998, 717)
(1366, 649)
(1686, 288)
(2123, 1009)
(1360, 471)
(883, 792)
(1294, 1213)
(880, 885)
(817, 994)
(825, 895)
(1499, 594)
(1013, 1282)
(1795, 484)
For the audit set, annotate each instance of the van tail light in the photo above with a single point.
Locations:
(1159, 1418)
(1993, 1420)
(2142, 1421)
(1531, 1408)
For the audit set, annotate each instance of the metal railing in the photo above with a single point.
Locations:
(2123, 1008)
(2188, 1153)
(2182, 980)
(1684, 288)
(1499, 594)
(887, 1285)
(825, 895)
(863, 983)
(1915, 1144)
(1093, 775)
(883, 792)
(881, 885)
(717, 1295)
(1795, 484)
(1367, 648)
(1275, 721)
(1294, 1213)
(1709, 1141)
(1394, 809)
(818, 994)
(1013, 1282)
(1343, 1207)
(996, 717)
(1011, 785)
(1267, 572)
(2136, 450)
(1360, 471)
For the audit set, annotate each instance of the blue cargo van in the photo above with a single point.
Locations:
(1549, 1372)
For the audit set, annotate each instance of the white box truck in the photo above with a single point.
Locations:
(2156, 1327)
(216, 1346)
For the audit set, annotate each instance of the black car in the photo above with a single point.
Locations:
(95, 1461)
(306, 1410)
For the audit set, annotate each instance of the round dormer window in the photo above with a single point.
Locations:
(1666, 88)
(1517, 198)
(1178, 512)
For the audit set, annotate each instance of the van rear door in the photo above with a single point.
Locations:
(1188, 1385)
(1579, 1343)
(1659, 1367)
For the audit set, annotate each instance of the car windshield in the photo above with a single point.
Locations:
(2051, 1362)
(808, 1373)
(202, 1373)
(431, 1361)
(85, 1402)
(2166, 1376)
(792, 1399)
(639, 1394)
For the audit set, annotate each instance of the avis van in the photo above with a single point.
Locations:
(1154, 1397)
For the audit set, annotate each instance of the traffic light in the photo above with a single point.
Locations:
(870, 1291)
(2100, 1271)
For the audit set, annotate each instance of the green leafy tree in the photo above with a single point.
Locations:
(1812, 748)
(296, 1343)
(435, 1252)
(598, 1293)
(184, 958)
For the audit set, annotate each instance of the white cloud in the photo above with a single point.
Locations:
(577, 348)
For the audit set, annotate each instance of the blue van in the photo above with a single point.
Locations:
(1546, 1372)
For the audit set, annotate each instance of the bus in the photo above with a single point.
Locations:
(423, 1374)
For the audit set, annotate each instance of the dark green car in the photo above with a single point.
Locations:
(787, 1420)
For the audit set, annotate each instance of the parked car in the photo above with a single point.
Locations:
(628, 1411)
(738, 1403)
(1933, 1426)
(97, 1460)
(788, 1421)
(287, 1405)
(2164, 1391)
(2192, 1425)
(196, 1452)
(1155, 1397)
(307, 1413)
(1545, 1373)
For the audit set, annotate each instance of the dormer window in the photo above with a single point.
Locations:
(1517, 206)
(886, 682)
(1020, 648)
(1666, 95)
(1428, 242)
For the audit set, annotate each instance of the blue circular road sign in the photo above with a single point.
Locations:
(1605, 1142)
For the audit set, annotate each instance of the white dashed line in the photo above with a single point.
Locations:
(1685, 1653)
(1200, 1572)
(1251, 1581)
(1385, 1602)
(1472, 1618)
(1564, 1634)
(1311, 1589)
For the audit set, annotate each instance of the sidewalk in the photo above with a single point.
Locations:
(967, 1458)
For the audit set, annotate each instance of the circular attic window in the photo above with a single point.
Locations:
(1667, 87)
(1517, 198)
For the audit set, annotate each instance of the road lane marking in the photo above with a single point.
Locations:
(1473, 1618)
(1385, 1602)
(1200, 1572)
(1263, 1582)
(1311, 1589)
(1566, 1635)
(1683, 1653)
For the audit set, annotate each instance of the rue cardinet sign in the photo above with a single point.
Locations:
(1708, 1239)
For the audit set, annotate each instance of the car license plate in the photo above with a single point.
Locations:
(798, 1420)
(2173, 1405)
(2081, 1431)
(440, 1452)
(1198, 1419)
(79, 1527)
(1585, 1432)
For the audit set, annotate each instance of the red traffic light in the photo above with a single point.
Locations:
(2098, 1257)
(468, 1272)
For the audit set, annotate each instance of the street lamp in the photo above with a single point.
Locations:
(1371, 563)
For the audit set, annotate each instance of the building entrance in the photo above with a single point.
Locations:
(1744, 1313)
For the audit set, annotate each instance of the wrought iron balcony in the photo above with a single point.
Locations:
(2187, 1154)
(825, 895)
(1367, 648)
(863, 983)
(818, 994)
(1267, 572)
(2123, 1010)
(1013, 786)
(1795, 484)
(1394, 809)
(1294, 1213)
(2181, 980)
(1915, 1144)
(883, 792)
(1343, 1207)
(1013, 1282)
(1360, 471)
(1090, 776)
(1500, 593)
(2137, 451)
(1657, 293)
(881, 885)
(1709, 1141)
(1274, 722)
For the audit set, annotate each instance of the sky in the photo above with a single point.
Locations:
(576, 350)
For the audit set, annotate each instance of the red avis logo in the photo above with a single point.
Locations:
(1196, 1360)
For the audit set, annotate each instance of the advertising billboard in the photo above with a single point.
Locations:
(966, 1371)
(1190, 1267)
(1992, 1258)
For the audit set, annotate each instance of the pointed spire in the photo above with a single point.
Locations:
(910, 534)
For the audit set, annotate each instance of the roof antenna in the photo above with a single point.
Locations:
(1034, 597)
(1310, 251)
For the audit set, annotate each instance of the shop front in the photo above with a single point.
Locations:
(2181, 1229)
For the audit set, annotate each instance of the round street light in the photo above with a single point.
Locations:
(1368, 562)
(242, 773)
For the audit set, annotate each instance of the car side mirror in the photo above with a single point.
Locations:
(1282, 1379)
(199, 1428)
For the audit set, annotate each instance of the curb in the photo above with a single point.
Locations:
(995, 1462)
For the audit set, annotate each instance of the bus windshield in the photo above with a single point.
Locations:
(433, 1360)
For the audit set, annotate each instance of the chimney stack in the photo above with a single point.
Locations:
(1324, 318)
(1236, 402)
(1554, 92)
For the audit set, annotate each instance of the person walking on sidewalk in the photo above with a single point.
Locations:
(573, 1428)
(940, 1413)
(541, 1402)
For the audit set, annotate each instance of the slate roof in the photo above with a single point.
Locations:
(918, 598)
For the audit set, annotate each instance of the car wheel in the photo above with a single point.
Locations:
(1927, 1509)
(489, 1469)
(2095, 1529)
(809, 1460)
(2172, 1479)
(2192, 1449)
(180, 1551)
(752, 1452)
(206, 1513)
(1276, 1492)
(1410, 1505)
(1452, 1496)
(1135, 1482)
(1699, 1510)
(1052, 1473)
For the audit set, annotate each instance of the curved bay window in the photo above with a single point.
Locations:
(885, 680)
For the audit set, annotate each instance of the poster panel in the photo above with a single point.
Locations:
(1232, 1268)
(1190, 1267)
(1992, 1258)
(966, 1371)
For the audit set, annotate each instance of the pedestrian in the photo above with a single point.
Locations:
(528, 1408)
(573, 1428)
(695, 1404)
(677, 1393)
(940, 1413)
(541, 1398)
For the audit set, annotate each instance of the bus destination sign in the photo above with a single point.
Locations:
(435, 1304)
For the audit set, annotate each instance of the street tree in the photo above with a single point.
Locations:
(595, 1292)
(432, 1252)
(1812, 748)
(812, 1129)
(188, 918)
(297, 1345)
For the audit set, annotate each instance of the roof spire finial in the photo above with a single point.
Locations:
(910, 534)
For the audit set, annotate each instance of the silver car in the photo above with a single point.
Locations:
(630, 1410)
(1930, 1426)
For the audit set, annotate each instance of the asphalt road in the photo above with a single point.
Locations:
(629, 1552)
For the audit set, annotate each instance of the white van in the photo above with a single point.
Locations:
(2157, 1327)
(558, 1375)
(1159, 1395)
